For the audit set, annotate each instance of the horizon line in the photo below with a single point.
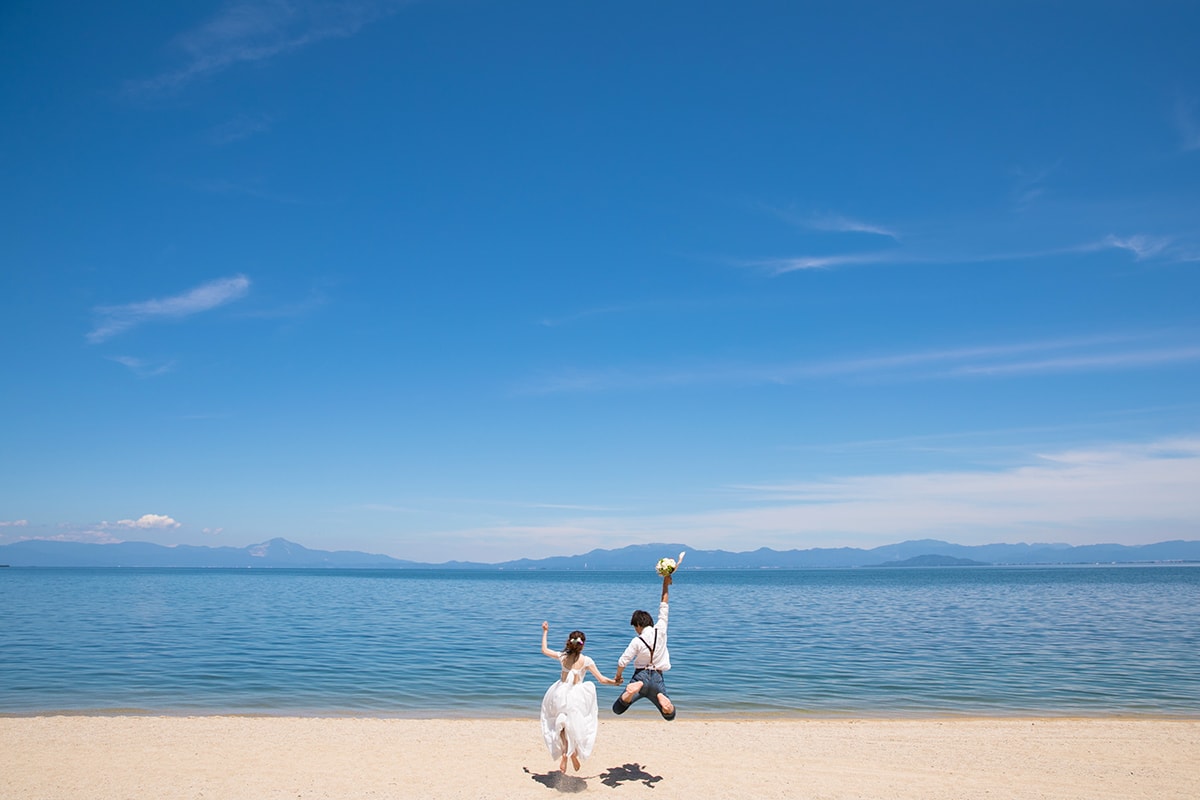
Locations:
(1031, 546)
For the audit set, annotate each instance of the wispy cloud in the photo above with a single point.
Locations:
(837, 223)
(782, 266)
(1102, 352)
(1029, 185)
(247, 31)
(143, 368)
(14, 523)
(103, 532)
(1131, 493)
(830, 222)
(990, 443)
(1074, 490)
(70, 533)
(117, 319)
(1144, 247)
(1140, 245)
(1133, 359)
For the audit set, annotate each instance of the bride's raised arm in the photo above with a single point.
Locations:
(546, 651)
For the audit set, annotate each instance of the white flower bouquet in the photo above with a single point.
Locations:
(666, 566)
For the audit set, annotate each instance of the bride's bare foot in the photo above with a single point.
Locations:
(562, 765)
(575, 762)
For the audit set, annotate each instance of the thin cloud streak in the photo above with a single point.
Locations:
(143, 368)
(205, 297)
(836, 223)
(892, 362)
(86, 535)
(1030, 185)
(782, 266)
(1139, 485)
(110, 532)
(956, 441)
(1105, 352)
(1142, 246)
(257, 30)
(831, 223)
(1132, 493)
(1128, 360)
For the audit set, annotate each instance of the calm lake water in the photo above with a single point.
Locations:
(869, 642)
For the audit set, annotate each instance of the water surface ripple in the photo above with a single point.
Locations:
(990, 641)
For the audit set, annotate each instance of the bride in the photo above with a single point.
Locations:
(569, 707)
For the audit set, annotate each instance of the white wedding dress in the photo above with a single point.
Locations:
(570, 706)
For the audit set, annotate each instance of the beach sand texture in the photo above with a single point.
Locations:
(248, 758)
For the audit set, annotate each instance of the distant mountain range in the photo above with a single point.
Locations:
(280, 553)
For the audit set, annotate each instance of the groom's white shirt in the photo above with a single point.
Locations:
(639, 653)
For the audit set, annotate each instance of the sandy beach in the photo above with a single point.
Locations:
(219, 758)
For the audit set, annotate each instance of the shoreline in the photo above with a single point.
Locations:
(509, 715)
(222, 757)
(787, 715)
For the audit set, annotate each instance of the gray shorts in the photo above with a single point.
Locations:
(653, 683)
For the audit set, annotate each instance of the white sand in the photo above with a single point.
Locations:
(247, 758)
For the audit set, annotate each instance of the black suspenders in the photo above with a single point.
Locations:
(651, 648)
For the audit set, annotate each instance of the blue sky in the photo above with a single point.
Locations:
(487, 280)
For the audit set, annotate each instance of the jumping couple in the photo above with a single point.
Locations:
(569, 706)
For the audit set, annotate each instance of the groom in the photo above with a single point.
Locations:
(648, 652)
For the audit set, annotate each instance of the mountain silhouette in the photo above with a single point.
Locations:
(281, 553)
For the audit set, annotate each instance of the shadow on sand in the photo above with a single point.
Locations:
(569, 784)
(627, 773)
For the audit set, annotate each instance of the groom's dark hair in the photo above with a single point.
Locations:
(642, 619)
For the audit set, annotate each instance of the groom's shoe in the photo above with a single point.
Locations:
(620, 706)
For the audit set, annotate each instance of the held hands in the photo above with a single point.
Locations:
(545, 627)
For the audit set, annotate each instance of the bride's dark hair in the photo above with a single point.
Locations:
(574, 645)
